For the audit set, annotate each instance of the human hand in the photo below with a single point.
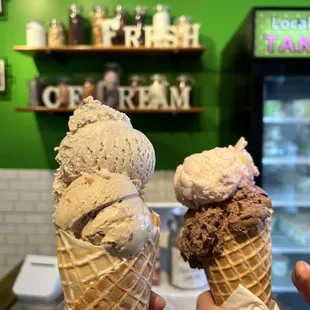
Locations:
(205, 302)
(301, 279)
(156, 302)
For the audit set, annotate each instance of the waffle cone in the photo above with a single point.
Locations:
(93, 279)
(246, 260)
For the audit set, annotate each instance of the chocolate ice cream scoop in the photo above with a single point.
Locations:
(204, 228)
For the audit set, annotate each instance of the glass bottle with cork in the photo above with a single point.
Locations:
(63, 96)
(136, 81)
(120, 20)
(56, 35)
(98, 15)
(140, 20)
(183, 82)
(182, 23)
(89, 87)
(107, 89)
(76, 25)
(161, 19)
(158, 92)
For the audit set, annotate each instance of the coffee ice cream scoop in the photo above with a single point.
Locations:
(102, 138)
(105, 209)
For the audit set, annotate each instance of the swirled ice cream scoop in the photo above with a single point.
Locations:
(105, 209)
(215, 175)
(102, 138)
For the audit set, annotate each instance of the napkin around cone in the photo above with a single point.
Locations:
(243, 299)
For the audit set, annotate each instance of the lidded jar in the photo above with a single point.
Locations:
(76, 25)
(181, 24)
(56, 35)
(99, 13)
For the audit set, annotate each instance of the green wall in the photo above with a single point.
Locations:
(27, 139)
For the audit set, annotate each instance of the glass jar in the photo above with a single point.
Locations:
(158, 92)
(107, 89)
(99, 14)
(42, 83)
(76, 25)
(36, 87)
(63, 91)
(35, 34)
(120, 20)
(180, 274)
(140, 21)
(186, 81)
(135, 82)
(161, 19)
(89, 88)
(56, 36)
(181, 24)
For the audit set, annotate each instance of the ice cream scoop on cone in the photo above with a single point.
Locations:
(245, 260)
(92, 278)
(106, 235)
(227, 227)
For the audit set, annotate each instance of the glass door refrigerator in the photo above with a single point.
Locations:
(265, 96)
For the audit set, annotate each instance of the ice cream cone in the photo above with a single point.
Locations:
(245, 260)
(94, 279)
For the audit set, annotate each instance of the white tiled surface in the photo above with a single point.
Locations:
(26, 207)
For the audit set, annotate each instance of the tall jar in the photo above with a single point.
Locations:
(158, 92)
(76, 25)
(161, 19)
(36, 88)
(181, 24)
(186, 81)
(63, 91)
(56, 35)
(180, 274)
(43, 82)
(120, 20)
(89, 88)
(35, 34)
(99, 14)
(107, 89)
(140, 20)
(136, 81)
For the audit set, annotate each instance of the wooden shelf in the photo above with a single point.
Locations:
(90, 49)
(193, 110)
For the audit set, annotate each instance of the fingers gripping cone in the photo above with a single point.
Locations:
(87, 284)
(246, 260)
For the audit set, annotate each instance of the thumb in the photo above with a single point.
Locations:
(205, 301)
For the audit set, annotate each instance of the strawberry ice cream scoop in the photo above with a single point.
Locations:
(215, 175)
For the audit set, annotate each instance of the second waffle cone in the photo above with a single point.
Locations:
(246, 260)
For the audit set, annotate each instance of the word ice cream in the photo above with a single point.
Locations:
(292, 43)
(150, 97)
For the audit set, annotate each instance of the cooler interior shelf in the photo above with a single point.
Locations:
(285, 120)
(281, 160)
(282, 199)
(283, 245)
(90, 49)
(41, 109)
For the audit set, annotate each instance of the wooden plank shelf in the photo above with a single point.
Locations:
(42, 109)
(90, 49)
